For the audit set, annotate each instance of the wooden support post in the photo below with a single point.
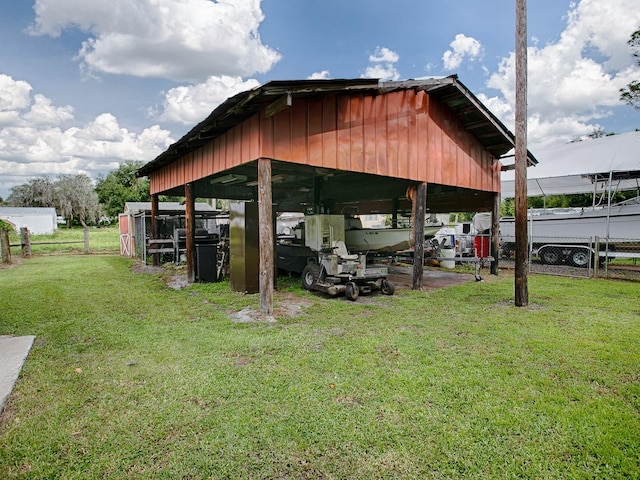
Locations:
(317, 187)
(25, 242)
(521, 290)
(5, 247)
(274, 229)
(418, 210)
(265, 218)
(394, 214)
(154, 226)
(190, 221)
(495, 234)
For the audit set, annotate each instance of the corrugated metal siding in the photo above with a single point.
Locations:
(403, 134)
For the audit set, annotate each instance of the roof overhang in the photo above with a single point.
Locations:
(476, 118)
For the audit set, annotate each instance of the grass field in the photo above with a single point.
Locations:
(129, 378)
(101, 240)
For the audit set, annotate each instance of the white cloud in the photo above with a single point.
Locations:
(575, 81)
(323, 75)
(43, 113)
(384, 55)
(383, 65)
(185, 40)
(41, 141)
(192, 104)
(13, 94)
(462, 48)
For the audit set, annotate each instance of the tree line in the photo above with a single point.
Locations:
(78, 199)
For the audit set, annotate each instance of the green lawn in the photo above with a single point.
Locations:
(129, 378)
(101, 240)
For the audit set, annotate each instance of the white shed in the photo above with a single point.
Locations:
(39, 220)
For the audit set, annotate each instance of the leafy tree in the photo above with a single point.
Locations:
(121, 186)
(631, 93)
(73, 197)
(76, 198)
(37, 192)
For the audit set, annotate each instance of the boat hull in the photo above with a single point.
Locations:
(382, 239)
(624, 223)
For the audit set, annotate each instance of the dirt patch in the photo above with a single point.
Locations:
(149, 269)
(15, 260)
(287, 305)
(175, 279)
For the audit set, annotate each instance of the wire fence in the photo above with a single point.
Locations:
(579, 256)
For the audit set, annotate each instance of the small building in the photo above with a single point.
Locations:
(39, 220)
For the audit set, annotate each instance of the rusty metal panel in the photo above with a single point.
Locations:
(435, 144)
(236, 138)
(382, 135)
(299, 133)
(412, 144)
(267, 149)
(282, 135)
(451, 167)
(422, 117)
(404, 134)
(391, 144)
(252, 133)
(315, 135)
(344, 133)
(330, 132)
(402, 163)
(356, 125)
(369, 134)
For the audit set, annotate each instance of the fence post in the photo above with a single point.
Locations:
(596, 262)
(5, 246)
(25, 242)
(86, 240)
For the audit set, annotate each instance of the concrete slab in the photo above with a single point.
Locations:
(13, 352)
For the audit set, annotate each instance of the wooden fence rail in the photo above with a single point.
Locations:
(26, 243)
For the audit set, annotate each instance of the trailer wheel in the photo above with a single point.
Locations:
(550, 256)
(580, 257)
(386, 287)
(310, 275)
(352, 291)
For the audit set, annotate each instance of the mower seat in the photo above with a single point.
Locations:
(340, 249)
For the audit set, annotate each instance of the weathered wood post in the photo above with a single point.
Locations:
(190, 216)
(495, 234)
(419, 205)
(85, 230)
(265, 216)
(521, 289)
(5, 247)
(25, 242)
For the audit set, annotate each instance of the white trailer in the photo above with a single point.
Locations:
(574, 236)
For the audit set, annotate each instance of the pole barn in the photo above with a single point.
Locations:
(325, 145)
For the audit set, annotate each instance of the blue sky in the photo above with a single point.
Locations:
(86, 85)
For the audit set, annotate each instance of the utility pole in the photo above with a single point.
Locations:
(522, 245)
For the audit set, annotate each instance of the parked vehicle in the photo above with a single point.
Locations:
(576, 236)
(333, 269)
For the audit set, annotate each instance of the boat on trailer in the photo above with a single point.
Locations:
(569, 235)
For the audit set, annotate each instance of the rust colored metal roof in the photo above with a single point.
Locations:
(476, 118)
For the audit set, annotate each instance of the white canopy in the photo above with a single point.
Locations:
(576, 167)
